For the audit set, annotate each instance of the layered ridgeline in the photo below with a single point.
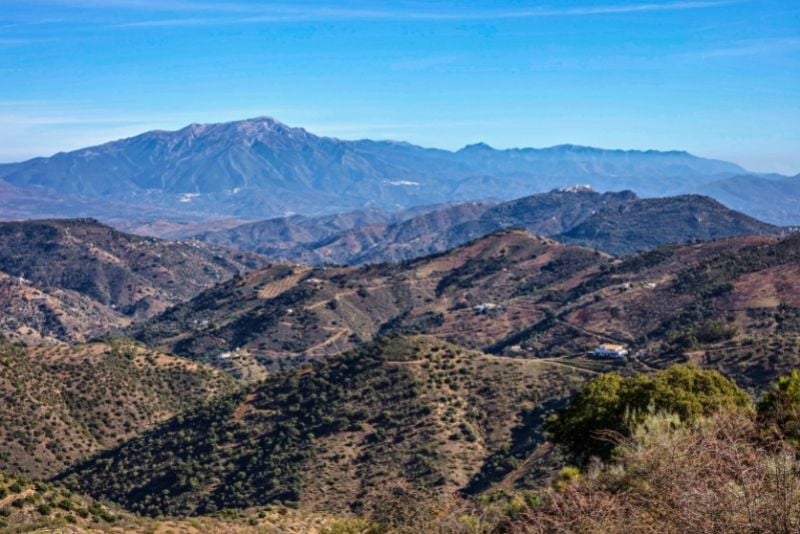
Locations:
(413, 412)
(617, 223)
(59, 404)
(509, 293)
(73, 279)
(260, 168)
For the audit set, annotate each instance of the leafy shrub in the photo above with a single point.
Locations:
(779, 409)
(611, 406)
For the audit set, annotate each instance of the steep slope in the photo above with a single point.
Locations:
(732, 305)
(412, 411)
(407, 239)
(61, 403)
(285, 311)
(649, 223)
(31, 314)
(261, 168)
(75, 278)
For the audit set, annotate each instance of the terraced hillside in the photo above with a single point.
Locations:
(59, 404)
(510, 293)
(283, 312)
(32, 314)
(73, 279)
(335, 436)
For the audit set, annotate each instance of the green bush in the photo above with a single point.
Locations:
(610, 406)
(779, 409)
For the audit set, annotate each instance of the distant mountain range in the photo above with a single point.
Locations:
(616, 223)
(261, 168)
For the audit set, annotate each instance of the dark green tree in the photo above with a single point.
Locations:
(611, 406)
(779, 409)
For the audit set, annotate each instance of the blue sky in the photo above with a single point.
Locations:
(717, 78)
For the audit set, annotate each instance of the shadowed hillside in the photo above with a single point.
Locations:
(332, 436)
(649, 223)
(37, 506)
(509, 293)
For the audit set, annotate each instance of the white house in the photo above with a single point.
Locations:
(610, 350)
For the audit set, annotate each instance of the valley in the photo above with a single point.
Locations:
(400, 367)
(399, 267)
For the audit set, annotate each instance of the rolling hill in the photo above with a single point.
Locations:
(285, 312)
(406, 407)
(336, 436)
(508, 293)
(60, 404)
(74, 279)
(649, 223)
(431, 375)
(295, 238)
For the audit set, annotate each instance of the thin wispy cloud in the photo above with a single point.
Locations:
(276, 14)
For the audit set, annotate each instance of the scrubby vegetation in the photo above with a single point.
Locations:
(36, 506)
(26, 505)
(331, 436)
(357, 403)
(86, 275)
(719, 472)
(718, 475)
(59, 404)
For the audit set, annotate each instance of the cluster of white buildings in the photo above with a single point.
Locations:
(610, 350)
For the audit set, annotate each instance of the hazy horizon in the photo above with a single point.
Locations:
(357, 138)
(719, 79)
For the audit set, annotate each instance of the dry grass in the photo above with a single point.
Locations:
(719, 477)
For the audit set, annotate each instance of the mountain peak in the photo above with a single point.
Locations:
(290, 169)
(476, 147)
(248, 127)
